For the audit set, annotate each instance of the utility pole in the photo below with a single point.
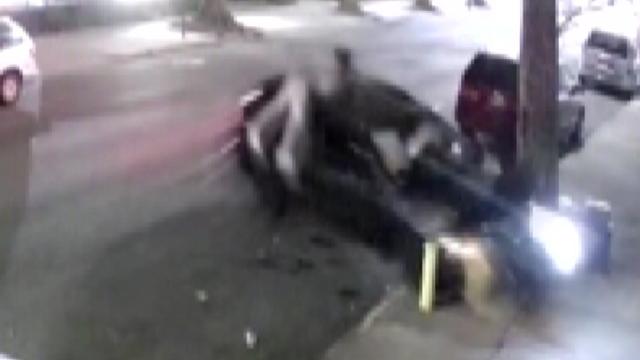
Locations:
(538, 105)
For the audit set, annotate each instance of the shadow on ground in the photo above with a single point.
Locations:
(191, 286)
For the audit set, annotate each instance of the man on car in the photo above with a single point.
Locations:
(301, 123)
(363, 126)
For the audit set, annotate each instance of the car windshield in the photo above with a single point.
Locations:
(7, 36)
(319, 179)
(612, 44)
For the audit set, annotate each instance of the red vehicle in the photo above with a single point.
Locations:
(487, 104)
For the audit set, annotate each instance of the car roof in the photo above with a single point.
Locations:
(493, 70)
(501, 72)
(610, 35)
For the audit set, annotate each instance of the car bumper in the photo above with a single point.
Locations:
(612, 79)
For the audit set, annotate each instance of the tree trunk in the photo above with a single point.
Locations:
(538, 105)
(426, 5)
(350, 7)
(476, 3)
(216, 13)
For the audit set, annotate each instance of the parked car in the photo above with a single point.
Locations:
(17, 61)
(487, 106)
(610, 59)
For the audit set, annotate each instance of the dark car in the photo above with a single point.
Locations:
(487, 105)
(337, 188)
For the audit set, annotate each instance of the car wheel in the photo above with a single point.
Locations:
(583, 81)
(600, 222)
(10, 87)
(576, 139)
(244, 156)
(628, 94)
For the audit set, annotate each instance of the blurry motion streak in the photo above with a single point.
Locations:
(132, 152)
(175, 145)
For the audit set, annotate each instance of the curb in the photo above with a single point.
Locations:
(369, 319)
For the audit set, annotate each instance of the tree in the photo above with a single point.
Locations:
(477, 3)
(538, 105)
(567, 15)
(217, 14)
(425, 5)
(350, 6)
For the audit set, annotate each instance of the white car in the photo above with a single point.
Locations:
(611, 59)
(17, 61)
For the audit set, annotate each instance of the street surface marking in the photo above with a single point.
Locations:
(375, 313)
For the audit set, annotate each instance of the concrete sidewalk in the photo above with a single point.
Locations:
(577, 325)
(589, 317)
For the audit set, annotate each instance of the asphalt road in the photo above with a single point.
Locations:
(130, 209)
(138, 238)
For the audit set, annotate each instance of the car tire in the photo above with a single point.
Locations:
(600, 223)
(10, 88)
(583, 81)
(627, 95)
(576, 139)
(244, 155)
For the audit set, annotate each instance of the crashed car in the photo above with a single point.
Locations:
(487, 105)
(366, 130)
(610, 58)
(299, 143)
